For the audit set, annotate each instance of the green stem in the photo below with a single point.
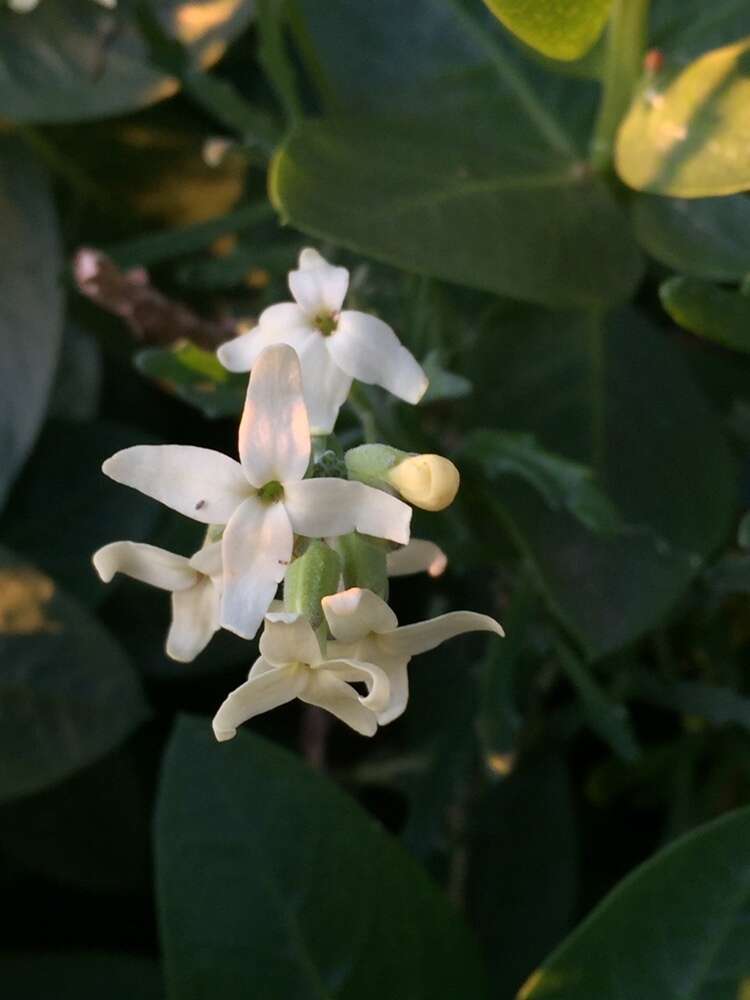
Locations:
(626, 42)
(361, 406)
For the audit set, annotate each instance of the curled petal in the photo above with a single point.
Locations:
(325, 385)
(208, 559)
(265, 690)
(328, 691)
(419, 556)
(288, 638)
(355, 613)
(409, 640)
(274, 438)
(196, 482)
(368, 349)
(323, 508)
(395, 668)
(146, 563)
(195, 618)
(256, 549)
(372, 676)
(318, 287)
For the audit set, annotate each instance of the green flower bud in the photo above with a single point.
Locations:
(371, 463)
(311, 577)
(363, 562)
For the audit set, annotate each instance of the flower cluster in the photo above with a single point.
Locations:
(332, 526)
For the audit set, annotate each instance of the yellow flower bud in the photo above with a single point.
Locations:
(427, 481)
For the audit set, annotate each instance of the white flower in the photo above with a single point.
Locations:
(263, 499)
(290, 666)
(367, 629)
(195, 585)
(334, 345)
(419, 556)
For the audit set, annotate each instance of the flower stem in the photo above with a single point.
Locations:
(626, 42)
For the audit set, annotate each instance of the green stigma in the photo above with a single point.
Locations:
(325, 323)
(271, 493)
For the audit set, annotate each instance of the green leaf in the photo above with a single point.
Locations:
(703, 237)
(619, 398)
(68, 692)
(64, 62)
(563, 484)
(560, 29)
(687, 28)
(717, 314)
(268, 874)
(195, 376)
(689, 140)
(31, 303)
(444, 384)
(674, 928)
(85, 975)
(446, 162)
(720, 706)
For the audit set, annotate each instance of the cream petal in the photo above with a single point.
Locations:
(419, 556)
(146, 563)
(267, 689)
(353, 614)
(325, 385)
(256, 549)
(309, 257)
(195, 618)
(374, 677)
(367, 349)
(409, 640)
(289, 638)
(196, 482)
(320, 287)
(274, 437)
(326, 690)
(208, 559)
(322, 508)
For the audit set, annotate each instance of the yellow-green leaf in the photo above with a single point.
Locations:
(689, 136)
(561, 29)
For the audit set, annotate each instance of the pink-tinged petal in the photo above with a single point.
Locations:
(355, 613)
(327, 691)
(274, 438)
(323, 508)
(146, 563)
(289, 639)
(419, 556)
(195, 618)
(367, 349)
(264, 691)
(409, 640)
(325, 385)
(318, 287)
(196, 482)
(256, 549)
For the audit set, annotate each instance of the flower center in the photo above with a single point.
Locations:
(325, 323)
(271, 493)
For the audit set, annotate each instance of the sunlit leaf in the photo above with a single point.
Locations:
(195, 376)
(561, 29)
(687, 136)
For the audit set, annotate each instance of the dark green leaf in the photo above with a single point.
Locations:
(743, 532)
(444, 384)
(674, 928)
(684, 28)
(30, 303)
(68, 694)
(269, 875)
(561, 29)
(85, 975)
(195, 376)
(718, 314)
(720, 706)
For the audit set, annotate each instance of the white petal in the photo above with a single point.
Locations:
(146, 563)
(419, 556)
(353, 614)
(256, 549)
(372, 676)
(398, 677)
(309, 257)
(266, 690)
(289, 639)
(196, 482)
(325, 385)
(195, 618)
(321, 508)
(320, 287)
(284, 323)
(274, 438)
(286, 318)
(337, 697)
(409, 640)
(208, 560)
(368, 349)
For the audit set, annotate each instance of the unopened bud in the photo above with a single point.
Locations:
(371, 463)
(310, 578)
(427, 481)
(363, 563)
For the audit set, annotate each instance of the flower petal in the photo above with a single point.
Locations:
(409, 640)
(196, 482)
(325, 385)
(146, 563)
(318, 286)
(208, 559)
(370, 674)
(289, 639)
(321, 508)
(274, 438)
(328, 691)
(368, 349)
(256, 549)
(398, 678)
(280, 324)
(265, 690)
(195, 618)
(353, 614)
(419, 556)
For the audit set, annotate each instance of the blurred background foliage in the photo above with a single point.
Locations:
(549, 209)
